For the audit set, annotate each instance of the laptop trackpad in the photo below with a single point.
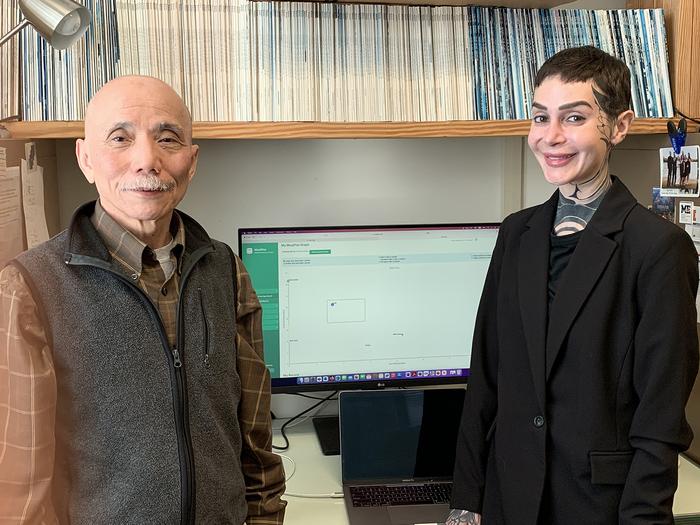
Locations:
(410, 514)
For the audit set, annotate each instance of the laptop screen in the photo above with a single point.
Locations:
(394, 435)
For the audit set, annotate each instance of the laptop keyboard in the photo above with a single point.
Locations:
(382, 495)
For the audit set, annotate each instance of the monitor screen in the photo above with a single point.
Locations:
(367, 306)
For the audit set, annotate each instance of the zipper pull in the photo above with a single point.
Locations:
(176, 358)
(206, 360)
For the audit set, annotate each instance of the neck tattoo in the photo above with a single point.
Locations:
(588, 191)
(573, 216)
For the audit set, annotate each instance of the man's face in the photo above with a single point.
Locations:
(570, 135)
(137, 150)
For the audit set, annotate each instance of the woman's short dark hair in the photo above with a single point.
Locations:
(610, 75)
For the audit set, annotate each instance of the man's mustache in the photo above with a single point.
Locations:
(147, 183)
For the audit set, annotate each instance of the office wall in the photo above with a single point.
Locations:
(324, 182)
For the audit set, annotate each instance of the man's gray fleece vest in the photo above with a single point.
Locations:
(139, 440)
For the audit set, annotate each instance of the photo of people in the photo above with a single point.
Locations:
(679, 171)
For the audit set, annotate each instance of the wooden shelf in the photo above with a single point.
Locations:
(328, 130)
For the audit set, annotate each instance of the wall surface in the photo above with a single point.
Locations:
(333, 182)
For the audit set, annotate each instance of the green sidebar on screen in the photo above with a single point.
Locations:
(260, 259)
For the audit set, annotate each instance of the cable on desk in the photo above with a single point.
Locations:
(298, 495)
(298, 421)
(307, 415)
(329, 397)
(329, 495)
(287, 477)
(307, 396)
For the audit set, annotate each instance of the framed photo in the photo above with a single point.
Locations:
(679, 171)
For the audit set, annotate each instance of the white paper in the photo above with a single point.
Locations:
(694, 231)
(11, 238)
(685, 212)
(33, 204)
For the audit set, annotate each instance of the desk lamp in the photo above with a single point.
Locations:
(60, 22)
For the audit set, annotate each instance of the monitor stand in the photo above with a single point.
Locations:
(328, 432)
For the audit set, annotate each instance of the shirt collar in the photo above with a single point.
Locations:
(128, 249)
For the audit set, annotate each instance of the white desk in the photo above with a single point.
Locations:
(687, 500)
(316, 473)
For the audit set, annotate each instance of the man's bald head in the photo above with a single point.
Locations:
(138, 152)
(135, 90)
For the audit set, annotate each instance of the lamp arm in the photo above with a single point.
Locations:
(24, 23)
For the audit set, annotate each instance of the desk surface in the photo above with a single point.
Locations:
(319, 474)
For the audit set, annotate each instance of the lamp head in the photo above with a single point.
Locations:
(60, 22)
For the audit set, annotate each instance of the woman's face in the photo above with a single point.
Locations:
(570, 135)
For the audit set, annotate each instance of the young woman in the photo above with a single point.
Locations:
(585, 349)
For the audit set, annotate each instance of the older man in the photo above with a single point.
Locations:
(133, 388)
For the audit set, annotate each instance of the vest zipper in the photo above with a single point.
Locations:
(176, 359)
(185, 449)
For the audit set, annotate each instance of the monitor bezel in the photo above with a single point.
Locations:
(374, 384)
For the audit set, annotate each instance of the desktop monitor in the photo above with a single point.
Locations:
(367, 306)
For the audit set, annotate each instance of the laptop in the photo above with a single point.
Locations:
(397, 450)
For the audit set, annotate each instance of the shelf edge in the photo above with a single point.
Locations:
(328, 130)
